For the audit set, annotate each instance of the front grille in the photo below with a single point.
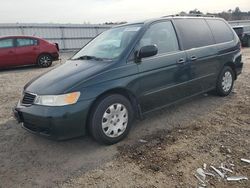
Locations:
(28, 99)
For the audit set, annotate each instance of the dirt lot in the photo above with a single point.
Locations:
(164, 150)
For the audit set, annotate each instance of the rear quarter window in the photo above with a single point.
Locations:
(26, 42)
(221, 31)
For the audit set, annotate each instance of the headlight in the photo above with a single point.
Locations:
(57, 100)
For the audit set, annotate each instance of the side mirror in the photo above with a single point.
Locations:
(147, 51)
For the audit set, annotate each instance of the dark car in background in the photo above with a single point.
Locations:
(129, 71)
(243, 33)
(26, 50)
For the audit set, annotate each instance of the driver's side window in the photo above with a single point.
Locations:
(161, 34)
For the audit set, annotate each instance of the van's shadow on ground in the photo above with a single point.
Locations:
(32, 67)
(24, 68)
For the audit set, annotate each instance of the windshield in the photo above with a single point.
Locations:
(110, 44)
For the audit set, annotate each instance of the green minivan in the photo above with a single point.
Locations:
(129, 71)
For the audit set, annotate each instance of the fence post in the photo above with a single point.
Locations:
(22, 29)
(96, 30)
(63, 38)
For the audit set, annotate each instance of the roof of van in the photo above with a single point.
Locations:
(240, 26)
(148, 21)
(180, 17)
(237, 26)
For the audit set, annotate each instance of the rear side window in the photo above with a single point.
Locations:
(194, 33)
(6, 43)
(161, 34)
(239, 31)
(26, 42)
(221, 31)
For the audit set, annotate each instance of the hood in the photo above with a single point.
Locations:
(64, 77)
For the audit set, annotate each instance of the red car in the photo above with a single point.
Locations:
(26, 50)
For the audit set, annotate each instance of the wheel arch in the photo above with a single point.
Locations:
(43, 53)
(122, 91)
(233, 67)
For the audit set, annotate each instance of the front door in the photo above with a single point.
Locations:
(7, 53)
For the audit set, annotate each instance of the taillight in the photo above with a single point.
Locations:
(239, 45)
(57, 46)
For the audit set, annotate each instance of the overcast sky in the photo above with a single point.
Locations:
(100, 11)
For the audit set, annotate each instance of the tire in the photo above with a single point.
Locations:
(225, 81)
(248, 42)
(111, 119)
(44, 60)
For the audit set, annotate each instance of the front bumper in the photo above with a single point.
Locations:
(55, 56)
(57, 123)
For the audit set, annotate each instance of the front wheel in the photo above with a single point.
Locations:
(44, 60)
(225, 81)
(111, 119)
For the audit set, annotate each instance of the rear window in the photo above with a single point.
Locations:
(221, 31)
(26, 42)
(194, 33)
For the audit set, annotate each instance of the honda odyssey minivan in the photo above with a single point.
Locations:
(129, 71)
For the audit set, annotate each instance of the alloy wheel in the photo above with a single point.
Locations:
(45, 61)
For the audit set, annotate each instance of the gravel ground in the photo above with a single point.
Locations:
(179, 140)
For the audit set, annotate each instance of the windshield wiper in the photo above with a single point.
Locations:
(88, 57)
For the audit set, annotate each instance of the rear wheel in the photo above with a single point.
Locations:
(225, 81)
(248, 42)
(111, 119)
(44, 60)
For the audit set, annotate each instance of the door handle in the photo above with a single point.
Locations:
(181, 61)
(193, 58)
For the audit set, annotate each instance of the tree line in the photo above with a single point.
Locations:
(229, 15)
